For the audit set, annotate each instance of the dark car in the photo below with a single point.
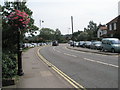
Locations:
(87, 44)
(96, 45)
(55, 43)
(81, 43)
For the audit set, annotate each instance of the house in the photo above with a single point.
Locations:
(114, 27)
(102, 31)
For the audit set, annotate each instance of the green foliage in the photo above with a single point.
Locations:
(83, 36)
(9, 37)
(91, 30)
(11, 6)
(58, 35)
(63, 39)
(9, 42)
(89, 33)
(75, 35)
(9, 69)
(47, 34)
(9, 32)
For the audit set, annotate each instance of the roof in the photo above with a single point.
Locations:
(103, 28)
(114, 20)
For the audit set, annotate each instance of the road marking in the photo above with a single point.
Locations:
(56, 50)
(101, 62)
(66, 77)
(64, 53)
(69, 54)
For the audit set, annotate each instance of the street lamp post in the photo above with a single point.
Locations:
(41, 21)
(20, 71)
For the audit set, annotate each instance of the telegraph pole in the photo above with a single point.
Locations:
(72, 23)
(72, 29)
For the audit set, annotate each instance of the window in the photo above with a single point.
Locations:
(111, 35)
(115, 26)
(104, 42)
(110, 27)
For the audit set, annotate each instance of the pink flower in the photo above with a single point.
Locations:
(17, 11)
(15, 18)
(20, 19)
(24, 22)
(28, 20)
(23, 25)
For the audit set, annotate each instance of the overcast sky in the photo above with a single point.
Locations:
(57, 13)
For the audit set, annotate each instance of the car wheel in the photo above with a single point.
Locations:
(113, 50)
(102, 49)
(95, 48)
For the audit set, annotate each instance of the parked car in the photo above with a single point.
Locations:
(77, 44)
(70, 41)
(55, 43)
(96, 45)
(39, 44)
(111, 44)
(81, 43)
(73, 43)
(87, 44)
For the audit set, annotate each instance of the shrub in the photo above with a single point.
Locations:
(9, 66)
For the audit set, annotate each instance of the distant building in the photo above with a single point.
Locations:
(102, 31)
(114, 27)
(119, 8)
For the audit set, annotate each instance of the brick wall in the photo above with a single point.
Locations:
(118, 27)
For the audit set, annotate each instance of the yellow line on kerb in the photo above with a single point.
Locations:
(67, 78)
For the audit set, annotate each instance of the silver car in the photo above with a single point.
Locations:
(111, 44)
(96, 45)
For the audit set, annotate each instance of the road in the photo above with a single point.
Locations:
(88, 69)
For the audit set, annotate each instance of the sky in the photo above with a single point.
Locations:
(57, 13)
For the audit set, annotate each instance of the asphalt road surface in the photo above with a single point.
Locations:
(88, 69)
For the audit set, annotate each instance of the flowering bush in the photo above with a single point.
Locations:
(18, 19)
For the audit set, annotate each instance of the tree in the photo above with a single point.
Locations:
(76, 35)
(91, 30)
(9, 31)
(83, 36)
(11, 20)
(58, 35)
(47, 34)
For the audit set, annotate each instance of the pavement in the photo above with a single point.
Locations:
(37, 74)
(91, 50)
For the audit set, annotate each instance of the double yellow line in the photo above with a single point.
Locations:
(67, 78)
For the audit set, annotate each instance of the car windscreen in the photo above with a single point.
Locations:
(97, 42)
(115, 41)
